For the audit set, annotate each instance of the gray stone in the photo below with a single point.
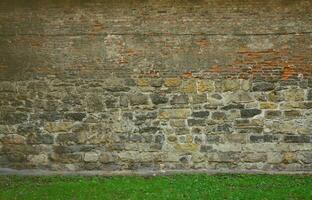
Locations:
(263, 138)
(218, 115)
(91, 157)
(196, 122)
(75, 116)
(271, 114)
(159, 99)
(200, 114)
(13, 118)
(157, 82)
(180, 99)
(309, 96)
(297, 139)
(263, 86)
(40, 139)
(248, 113)
(232, 106)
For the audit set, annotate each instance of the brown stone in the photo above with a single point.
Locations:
(172, 82)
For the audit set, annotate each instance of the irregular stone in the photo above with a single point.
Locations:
(11, 118)
(182, 131)
(75, 116)
(275, 96)
(174, 113)
(292, 113)
(297, 139)
(138, 99)
(143, 82)
(294, 94)
(263, 86)
(91, 157)
(305, 157)
(274, 157)
(205, 148)
(95, 103)
(263, 138)
(239, 97)
(172, 138)
(231, 85)
(172, 82)
(111, 102)
(177, 123)
(245, 85)
(232, 106)
(187, 147)
(248, 113)
(123, 101)
(50, 116)
(272, 114)
(268, 105)
(13, 139)
(159, 139)
(254, 157)
(292, 105)
(189, 86)
(40, 139)
(70, 138)
(196, 122)
(223, 128)
(289, 157)
(6, 86)
(159, 99)
(135, 138)
(106, 158)
(309, 95)
(53, 127)
(157, 82)
(41, 159)
(200, 114)
(180, 99)
(198, 99)
(218, 116)
(205, 86)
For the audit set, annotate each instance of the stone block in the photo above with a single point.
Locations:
(263, 86)
(248, 113)
(205, 86)
(200, 114)
(189, 86)
(159, 99)
(172, 82)
(91, 157)
(268, 105)
(174, 113)
(138, 99)
(180, 99)
(294, 94)
(196, 122)
(231, 85)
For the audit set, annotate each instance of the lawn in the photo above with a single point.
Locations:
(197, 186)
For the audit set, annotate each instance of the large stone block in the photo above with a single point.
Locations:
(174, 113)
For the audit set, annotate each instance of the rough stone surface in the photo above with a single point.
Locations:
(156, 85)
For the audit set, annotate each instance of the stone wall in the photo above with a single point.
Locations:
(156, 85)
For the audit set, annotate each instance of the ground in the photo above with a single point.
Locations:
(197, 186)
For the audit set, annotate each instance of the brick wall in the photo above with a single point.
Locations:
(156, 85)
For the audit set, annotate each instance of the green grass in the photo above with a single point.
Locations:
(197, 186)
